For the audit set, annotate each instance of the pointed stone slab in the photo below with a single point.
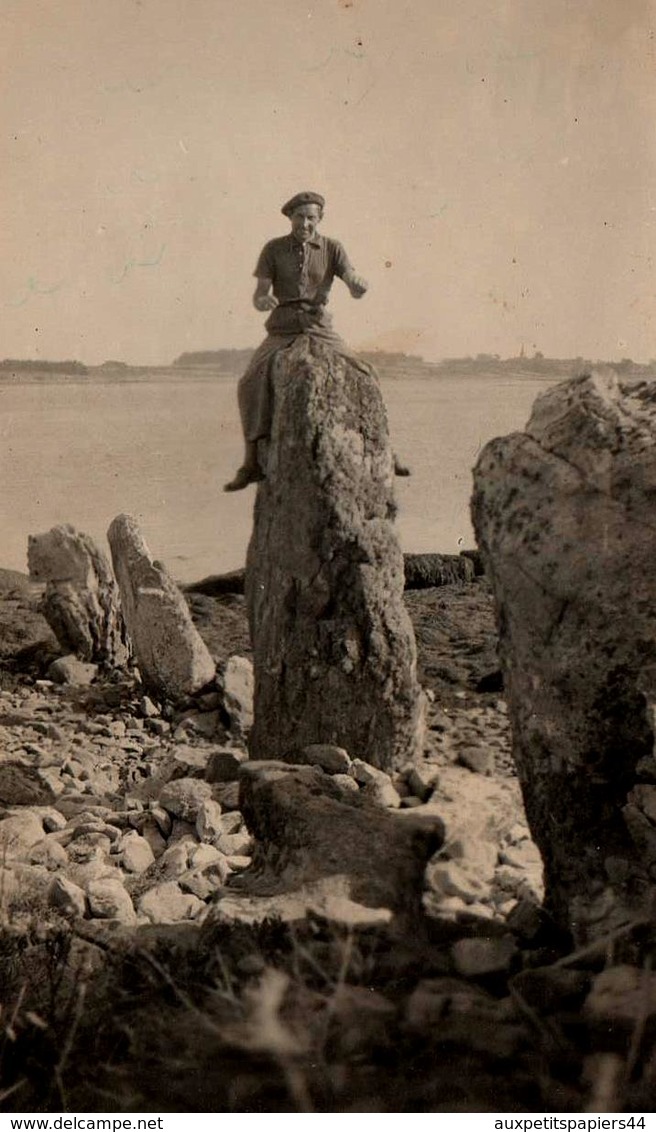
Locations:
(172, 657)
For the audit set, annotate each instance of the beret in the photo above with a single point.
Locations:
(299, 199)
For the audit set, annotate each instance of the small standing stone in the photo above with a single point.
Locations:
(236, 682)
(173, 660)
(81, 602)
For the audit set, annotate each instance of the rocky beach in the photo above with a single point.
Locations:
(137, 974)
(201, 914)
(121, 827)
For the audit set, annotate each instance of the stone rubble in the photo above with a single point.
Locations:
(101, 809)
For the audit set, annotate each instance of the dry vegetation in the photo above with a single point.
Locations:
(315, 1017)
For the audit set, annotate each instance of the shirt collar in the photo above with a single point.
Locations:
(314, 242)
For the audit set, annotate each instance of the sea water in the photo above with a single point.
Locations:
(161, 451)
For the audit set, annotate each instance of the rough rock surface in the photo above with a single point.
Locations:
(423, 571)
(306, 831)
(564, 514)
(334, 650)
(81, 601)
(172, 658)
(235, 681)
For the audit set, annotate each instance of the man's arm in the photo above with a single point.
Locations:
(344, 269)
(262, 299)
(356, 284)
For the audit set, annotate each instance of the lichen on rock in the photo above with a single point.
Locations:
(564, 515)
(334, 649)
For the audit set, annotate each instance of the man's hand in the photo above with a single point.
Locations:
(265, 302)
(357, 286)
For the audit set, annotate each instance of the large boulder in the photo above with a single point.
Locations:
(313, 844)
(173, 660)
(566, 520)
(334, 650)
(81, 601)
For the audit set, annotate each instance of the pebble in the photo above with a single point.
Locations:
(167, 904)
(136, 852)
(346, 783)
(148, 708)
(449, 878)
(383, 793)
(109, 900)
(159, 726)
(334, 760)
(176, 859)
(18, 833)
(476, 759)
(525, 855)
(48, 853)
(185, 762)
(208, 822)
(235, 844)
(624, 995)
(224, 763)
(184, 797)
(473, 958)
(422, 781)
(70, 670)
(67, 897)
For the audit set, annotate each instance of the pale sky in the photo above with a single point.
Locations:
(489, 165)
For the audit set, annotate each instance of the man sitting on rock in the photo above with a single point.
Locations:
(294, 275)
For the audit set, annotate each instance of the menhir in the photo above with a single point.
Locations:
(334, 650)
(564, 514)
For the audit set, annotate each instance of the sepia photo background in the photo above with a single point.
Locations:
(489, 165)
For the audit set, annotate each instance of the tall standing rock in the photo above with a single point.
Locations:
(81, 601)
(334, 650)
(565, 515)
(173, 660)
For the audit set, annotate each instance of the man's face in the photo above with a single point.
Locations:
(304, 221)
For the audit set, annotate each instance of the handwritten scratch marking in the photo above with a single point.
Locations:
(131, 263)
(33, 287)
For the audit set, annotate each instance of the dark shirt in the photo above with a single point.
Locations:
(301, 275)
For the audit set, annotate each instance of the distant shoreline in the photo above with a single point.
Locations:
(228, 365)
(139, 376)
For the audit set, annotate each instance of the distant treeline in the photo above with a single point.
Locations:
(538, 364)
(33, 365)
(221, 359)
(391, 365)
(400, 364)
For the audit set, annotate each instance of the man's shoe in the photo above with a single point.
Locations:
(244, 476)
